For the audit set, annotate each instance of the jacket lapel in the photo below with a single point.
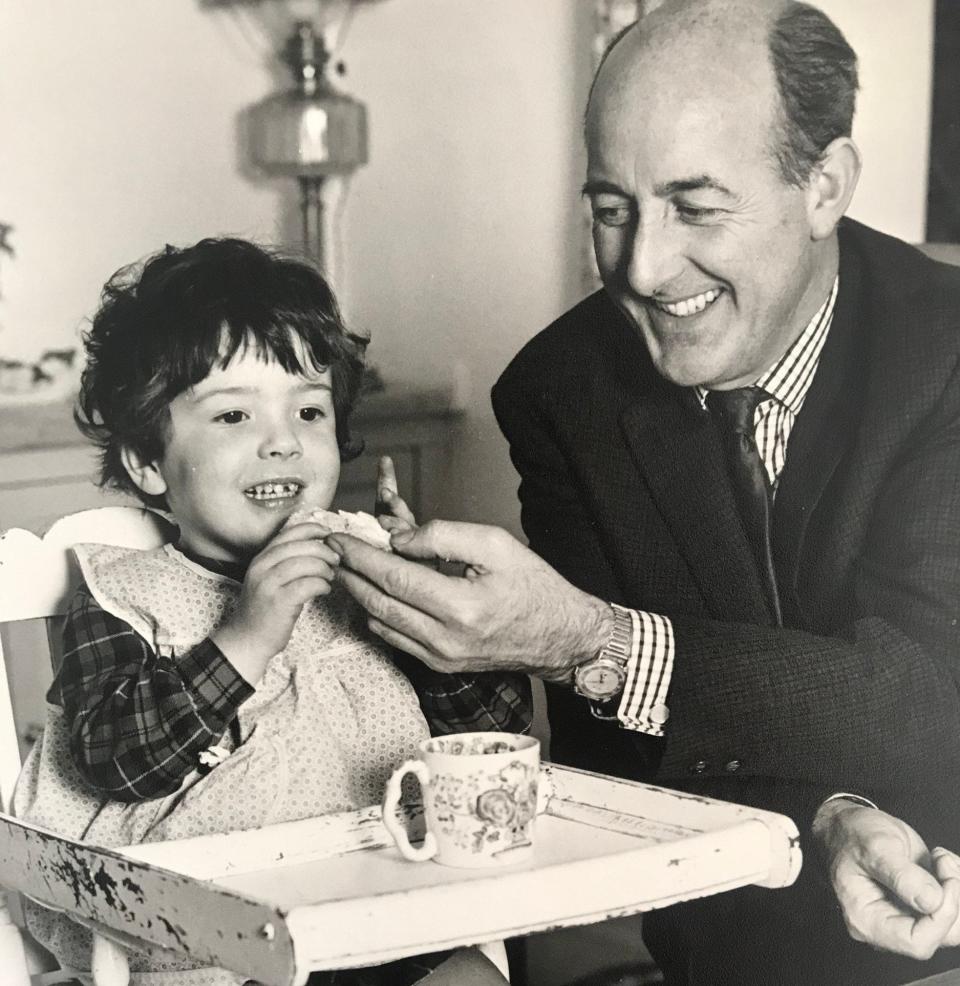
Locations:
(673, 444)
(821, 433)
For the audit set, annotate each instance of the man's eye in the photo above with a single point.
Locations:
(231, 417)
(312, 413)
(695, 214)
(611, 215)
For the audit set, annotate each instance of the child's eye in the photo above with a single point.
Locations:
(312, 413)
(231, 417)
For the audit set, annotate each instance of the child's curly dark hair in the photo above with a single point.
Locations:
(166, 322)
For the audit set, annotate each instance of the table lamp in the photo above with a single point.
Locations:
(308, 132)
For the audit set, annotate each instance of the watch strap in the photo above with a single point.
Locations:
(619, 645)
(616, 650)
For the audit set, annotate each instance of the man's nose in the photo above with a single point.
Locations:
(281, 441)
(655, 256)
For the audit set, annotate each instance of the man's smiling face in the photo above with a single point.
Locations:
(699, 240)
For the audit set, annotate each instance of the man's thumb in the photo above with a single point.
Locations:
(914, 886)
(450, 540)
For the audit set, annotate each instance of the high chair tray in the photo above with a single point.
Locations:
(604, 848)
(334, 892)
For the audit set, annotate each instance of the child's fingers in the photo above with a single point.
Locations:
(300, 532)
(304, 589)
(279, 551)
(285, 573)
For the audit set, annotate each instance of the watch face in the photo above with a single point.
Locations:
(600, 680)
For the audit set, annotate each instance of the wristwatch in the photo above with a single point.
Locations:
(602, 678)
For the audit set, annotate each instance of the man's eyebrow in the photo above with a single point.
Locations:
(597, 186)
(695, 184)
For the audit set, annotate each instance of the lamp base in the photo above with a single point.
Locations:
(311, 217)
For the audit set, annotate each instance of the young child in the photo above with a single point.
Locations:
(225, 682)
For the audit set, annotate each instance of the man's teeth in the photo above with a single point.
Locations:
(273, 491)
(689, 306)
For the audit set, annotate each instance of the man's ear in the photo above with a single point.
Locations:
(832, 185)
(146, 475)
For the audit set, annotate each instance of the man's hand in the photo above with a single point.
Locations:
(881, 872)
(294, 566)
(390, 508)
(510, 611)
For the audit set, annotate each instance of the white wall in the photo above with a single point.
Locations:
(894, 41)
(462, 236)
(117, 119)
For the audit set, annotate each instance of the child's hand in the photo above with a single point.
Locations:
(293, 567)
(391, 509)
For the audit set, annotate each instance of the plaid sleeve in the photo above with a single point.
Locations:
(138, 721)
(460, 703)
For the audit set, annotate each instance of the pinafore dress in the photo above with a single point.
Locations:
(329, 721)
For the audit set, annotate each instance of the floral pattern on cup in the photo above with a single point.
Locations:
(484, 811)
(479, 799)
(470, 745)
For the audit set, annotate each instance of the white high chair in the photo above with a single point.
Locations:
(37, 579)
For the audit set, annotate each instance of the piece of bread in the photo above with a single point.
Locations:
(359, 524)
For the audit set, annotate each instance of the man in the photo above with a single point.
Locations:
(749, 442)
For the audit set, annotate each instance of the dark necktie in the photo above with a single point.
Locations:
(733, 412)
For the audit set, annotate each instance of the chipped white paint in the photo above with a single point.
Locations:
(144, 904)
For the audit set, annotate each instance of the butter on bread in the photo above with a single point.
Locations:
(360, 525)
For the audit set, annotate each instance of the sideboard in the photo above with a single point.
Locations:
(47, 469)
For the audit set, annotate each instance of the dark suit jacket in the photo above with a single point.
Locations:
(624, 491)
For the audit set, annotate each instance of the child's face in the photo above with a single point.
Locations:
(246, 447)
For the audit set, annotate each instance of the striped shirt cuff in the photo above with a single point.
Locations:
(649, 669)
(857, 799)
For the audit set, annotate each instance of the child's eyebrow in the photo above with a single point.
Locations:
(306, 387)
(315, 385)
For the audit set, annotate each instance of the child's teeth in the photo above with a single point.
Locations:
(269, 491)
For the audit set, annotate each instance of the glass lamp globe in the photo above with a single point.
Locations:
(312, 130)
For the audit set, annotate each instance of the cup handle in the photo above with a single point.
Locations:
(391, 800)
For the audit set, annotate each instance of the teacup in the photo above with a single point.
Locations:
(479, 799)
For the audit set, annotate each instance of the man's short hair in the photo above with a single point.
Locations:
(816, 76)
(816, 73)
(166, 322)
